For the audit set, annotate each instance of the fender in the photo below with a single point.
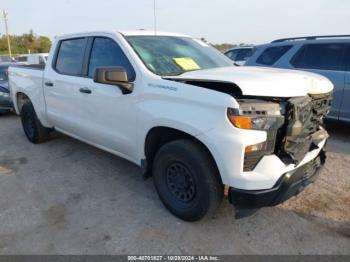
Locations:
(190, 109)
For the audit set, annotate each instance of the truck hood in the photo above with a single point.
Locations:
(261, 81)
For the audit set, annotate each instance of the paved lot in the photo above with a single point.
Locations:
(69, 198)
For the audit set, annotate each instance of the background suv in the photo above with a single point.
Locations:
(325, 55)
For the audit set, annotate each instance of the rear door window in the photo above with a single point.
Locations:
(320, 56)
(272, 54)
(70, 56)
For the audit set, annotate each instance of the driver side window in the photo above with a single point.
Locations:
(106, 52)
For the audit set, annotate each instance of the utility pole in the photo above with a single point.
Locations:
(7, 32)
(155, 17)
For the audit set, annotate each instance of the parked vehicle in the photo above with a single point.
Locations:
(37, 59)
(6, 59)
(181, 111)
(32, 59)
(239, 55)
(5, 98)
(325, 55)
(21, 59)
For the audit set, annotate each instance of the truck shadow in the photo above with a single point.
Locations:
(342, 229)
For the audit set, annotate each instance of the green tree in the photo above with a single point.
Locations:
(223, 47)
(42, 44)
(25, 43)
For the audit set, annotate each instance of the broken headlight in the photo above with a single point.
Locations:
(257, 115)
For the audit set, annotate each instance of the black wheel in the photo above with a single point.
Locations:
(187, 180)
(34, 130)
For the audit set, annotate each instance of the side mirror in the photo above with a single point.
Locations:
(114, 76)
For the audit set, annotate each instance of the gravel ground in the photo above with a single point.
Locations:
(327, 202)
(65, 197)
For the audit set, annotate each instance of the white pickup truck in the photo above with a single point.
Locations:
(181, 111)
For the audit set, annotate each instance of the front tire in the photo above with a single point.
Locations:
(187, 180)
(33, 129)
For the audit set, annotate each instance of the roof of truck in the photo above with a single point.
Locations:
(126, 33)
(150, 32)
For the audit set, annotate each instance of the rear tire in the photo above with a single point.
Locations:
(187, 180)
(34, 130)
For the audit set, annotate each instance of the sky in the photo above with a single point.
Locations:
(219, 21)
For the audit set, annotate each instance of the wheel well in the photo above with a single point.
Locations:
(159, 136)
(21, 100)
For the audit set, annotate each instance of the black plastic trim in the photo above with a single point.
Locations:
(40, 67)
(87, 55)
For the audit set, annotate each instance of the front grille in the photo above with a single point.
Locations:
(304, 118)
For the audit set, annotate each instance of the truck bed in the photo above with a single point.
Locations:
(27, 79)
(37, 67)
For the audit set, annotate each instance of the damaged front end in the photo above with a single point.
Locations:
(300, 132)
(294, 126)
(305, 129)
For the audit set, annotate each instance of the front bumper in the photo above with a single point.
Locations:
(290, 184)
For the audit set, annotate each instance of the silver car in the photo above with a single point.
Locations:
(325, 55)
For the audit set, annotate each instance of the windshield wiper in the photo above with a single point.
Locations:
(172, 74)
(180, 73)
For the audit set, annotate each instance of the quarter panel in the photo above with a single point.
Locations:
(29, 82)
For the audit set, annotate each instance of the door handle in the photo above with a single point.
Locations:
(85, 90)
(48, 83)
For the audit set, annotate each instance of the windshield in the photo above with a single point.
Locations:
(170, 55)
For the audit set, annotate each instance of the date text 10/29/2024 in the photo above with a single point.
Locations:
(173, 258)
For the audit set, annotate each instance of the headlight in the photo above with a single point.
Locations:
(254, 122)
(256, 115)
